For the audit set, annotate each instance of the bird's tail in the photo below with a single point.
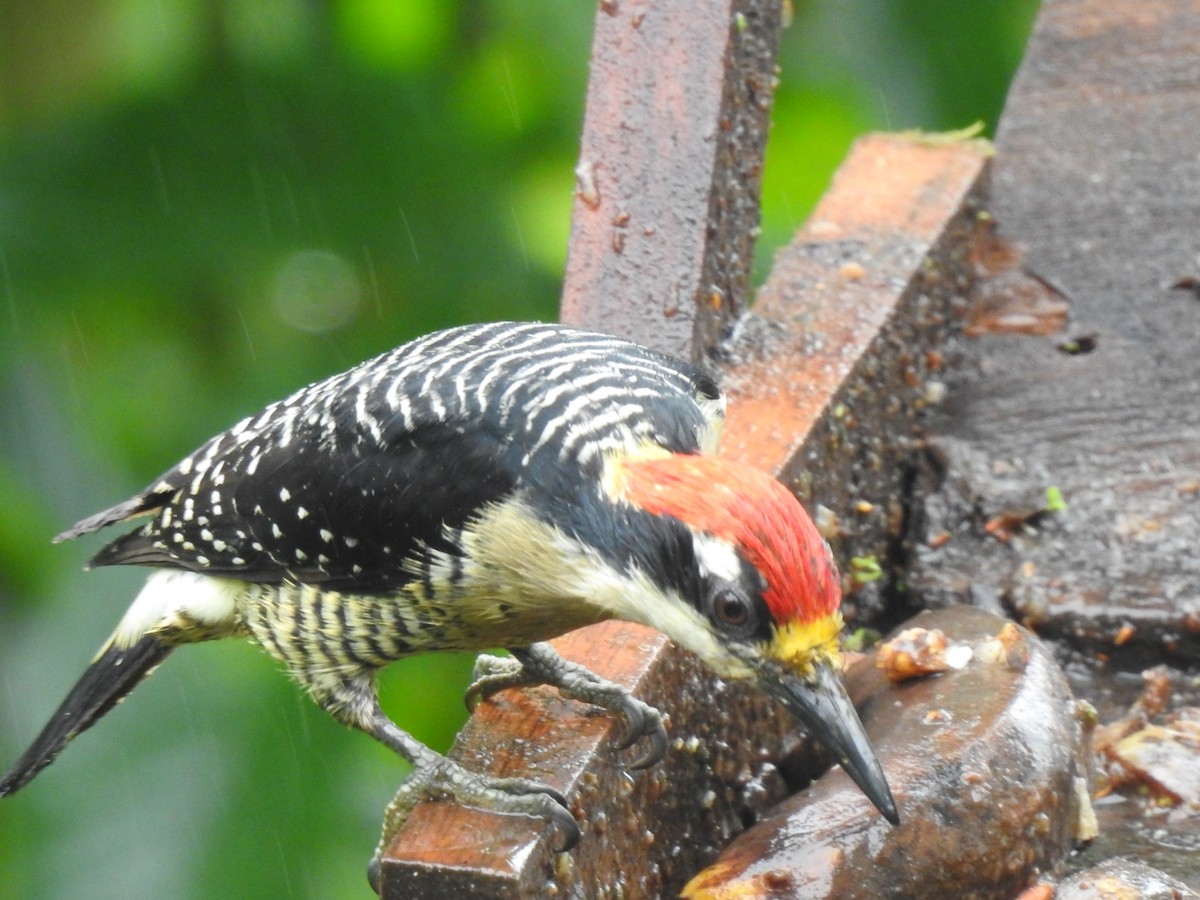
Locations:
(112, 675)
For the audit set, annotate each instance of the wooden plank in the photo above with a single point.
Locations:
(837, 327)
(841, 351)
(667, 187)
(1098, 180)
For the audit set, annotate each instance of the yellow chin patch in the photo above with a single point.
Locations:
(798, 646)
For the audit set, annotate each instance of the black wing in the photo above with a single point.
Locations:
(341, 482)
(310, 515)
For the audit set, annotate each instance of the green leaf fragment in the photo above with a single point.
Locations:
(861, 639)
(865, 568)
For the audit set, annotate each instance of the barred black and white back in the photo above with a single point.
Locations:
(338, 483)
(340, 527)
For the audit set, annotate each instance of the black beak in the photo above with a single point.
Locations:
(822, 704)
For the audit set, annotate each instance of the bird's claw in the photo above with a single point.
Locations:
(541, 664)
(561, 816)
(643, 721)
(493, 674)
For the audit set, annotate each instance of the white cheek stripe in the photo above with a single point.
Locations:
(717, 558)
(635, 598)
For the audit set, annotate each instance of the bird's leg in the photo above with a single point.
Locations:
(352, 701)
(435, 777)
(540, 664)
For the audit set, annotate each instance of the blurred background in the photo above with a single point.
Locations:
(205, 204)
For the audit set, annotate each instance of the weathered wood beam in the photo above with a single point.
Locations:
(1098, 180)
(667, 187)
(841, 350)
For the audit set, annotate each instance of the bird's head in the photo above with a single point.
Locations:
(761, 603)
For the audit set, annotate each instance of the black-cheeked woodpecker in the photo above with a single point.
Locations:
(489, 485)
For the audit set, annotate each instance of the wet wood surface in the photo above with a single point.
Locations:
(840, 354)
(975, 724)
(1097, 191)
(670, 169)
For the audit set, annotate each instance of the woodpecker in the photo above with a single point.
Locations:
(486, 486)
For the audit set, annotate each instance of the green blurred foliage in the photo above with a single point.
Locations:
(207, 203)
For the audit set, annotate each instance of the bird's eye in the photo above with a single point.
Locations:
(731, 610)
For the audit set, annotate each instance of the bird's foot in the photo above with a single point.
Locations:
(493, 674)
(540, 664)
(443, 779)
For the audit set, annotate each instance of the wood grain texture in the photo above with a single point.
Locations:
(1098, 178)
(667, 188)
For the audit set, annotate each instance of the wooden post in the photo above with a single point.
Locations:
(670, 168)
